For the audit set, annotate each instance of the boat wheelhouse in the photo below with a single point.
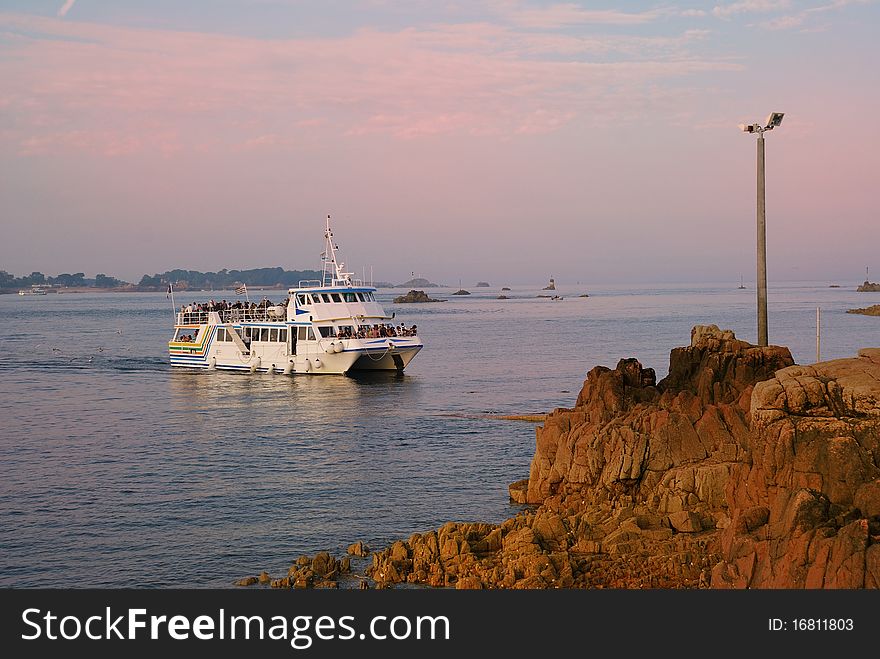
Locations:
(332, 325)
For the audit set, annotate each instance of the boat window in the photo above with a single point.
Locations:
(282, 335)
(360, 297)
(336, 297)
(326, 331)
(323, 296)
(301, 299)
(311, 334)
(221, 334)
(351, 297)
(264, 334)
(301, 333)
(273, 335)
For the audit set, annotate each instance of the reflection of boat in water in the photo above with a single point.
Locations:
(331, 325)
(33, 290)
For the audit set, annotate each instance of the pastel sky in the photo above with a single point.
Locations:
(505, 140)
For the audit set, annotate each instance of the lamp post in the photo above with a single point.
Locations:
(773, 120)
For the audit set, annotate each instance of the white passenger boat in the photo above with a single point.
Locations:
(332, 325)
(33, 290)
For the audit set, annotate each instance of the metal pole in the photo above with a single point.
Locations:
(818, 332)
(762, 248)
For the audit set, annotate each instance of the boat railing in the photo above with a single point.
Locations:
(192, 317)
(272, 314)
(333, 283)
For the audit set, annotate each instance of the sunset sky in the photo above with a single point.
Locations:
(504, 140)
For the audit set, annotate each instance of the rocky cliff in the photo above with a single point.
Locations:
(738, 469)
(805, 503)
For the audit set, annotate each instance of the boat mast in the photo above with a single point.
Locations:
(333, 271)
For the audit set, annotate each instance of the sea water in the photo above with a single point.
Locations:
(118, 471)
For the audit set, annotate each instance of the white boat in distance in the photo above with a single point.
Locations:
(33, 290)
(333, 325)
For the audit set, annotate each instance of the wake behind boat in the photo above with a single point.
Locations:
(331, 325)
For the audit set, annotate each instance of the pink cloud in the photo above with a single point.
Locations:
(750, 7)
(561, 15)
(123, 86)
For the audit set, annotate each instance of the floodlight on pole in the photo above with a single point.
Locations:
(774, 119)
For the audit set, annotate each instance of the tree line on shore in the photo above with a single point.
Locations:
(182, 279)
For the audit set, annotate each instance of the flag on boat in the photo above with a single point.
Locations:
(241, 290)
(168, 292)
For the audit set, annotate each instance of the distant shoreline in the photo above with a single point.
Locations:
(136, 289)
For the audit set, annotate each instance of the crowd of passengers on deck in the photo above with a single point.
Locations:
(377, 332)
(223, 305)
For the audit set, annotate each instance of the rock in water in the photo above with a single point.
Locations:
(414, 296)
(873, 310)
(737, 470)
(358, 549)
(869, 287)
(518, 490)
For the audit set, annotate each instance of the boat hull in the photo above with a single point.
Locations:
(327, 364)
(322, 357)
(391, 360)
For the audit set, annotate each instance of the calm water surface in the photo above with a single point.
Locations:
(116, 470)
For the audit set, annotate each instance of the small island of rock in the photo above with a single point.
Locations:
(421, 282)
(461, 291)
(551, 286)
(869, 287)
(414, 296)
(867, 311)
(482, 284)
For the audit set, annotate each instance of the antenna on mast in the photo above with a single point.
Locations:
(332, 269)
